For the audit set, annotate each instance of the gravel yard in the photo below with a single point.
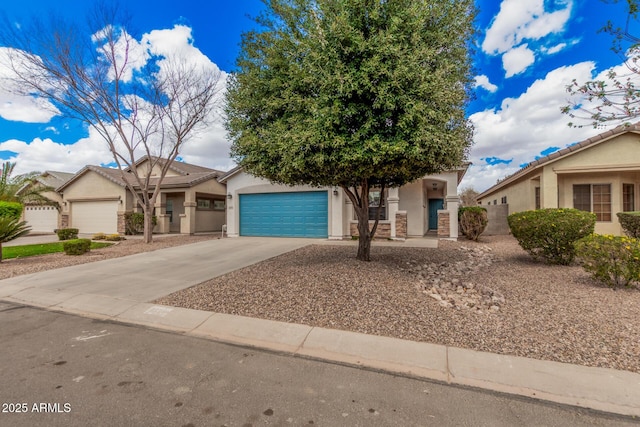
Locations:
(487, 296)
(19, 266)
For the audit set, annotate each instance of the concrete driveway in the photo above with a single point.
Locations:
(147, 276)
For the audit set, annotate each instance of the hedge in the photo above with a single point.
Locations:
(76, 246)
(473, 221)
(67, 233)
(550, 234)
(630, 222)
(11, 209)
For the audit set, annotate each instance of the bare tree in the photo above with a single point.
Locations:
(468, 196)
(141, 102)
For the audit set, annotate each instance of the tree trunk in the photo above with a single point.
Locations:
(360, 202)
(364, 241)
(148, 223)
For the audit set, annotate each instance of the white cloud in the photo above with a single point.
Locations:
(555, 49)
(16, 107)
(516, 61)
(519, 21)
(208, 148)
(523, 20)
(483, 82)
(525, 126)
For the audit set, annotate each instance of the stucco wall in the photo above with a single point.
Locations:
(412, 201)
(93, 186)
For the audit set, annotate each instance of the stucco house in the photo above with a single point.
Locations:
(44, 217)
(191, 200)
(257, 207)
(600, 174)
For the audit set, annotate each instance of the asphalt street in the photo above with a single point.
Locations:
(62, 370)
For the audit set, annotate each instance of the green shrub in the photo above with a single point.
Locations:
(113, 237)
(630, 222)
(473, 221)
(76, 246)
(67, 233)
(10, 209)
(550, 234)
(98, 236)
(614, 260)
(134, 223)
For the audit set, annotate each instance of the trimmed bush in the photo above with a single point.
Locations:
(98, 236)
(76, 246)
(113, 238)
(67, 233)
(550, 234)
(613, 260)
(10, 209)
(134, 223)
(473, 221)
(630, 222)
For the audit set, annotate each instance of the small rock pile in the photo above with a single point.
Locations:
(449, 282)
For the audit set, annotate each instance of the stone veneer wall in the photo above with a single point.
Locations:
(401, 225)
(443, 224)
(384, 227)
(121, 223)
(64, 221)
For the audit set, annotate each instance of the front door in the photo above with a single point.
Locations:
(434, 206)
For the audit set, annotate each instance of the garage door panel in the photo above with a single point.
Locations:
(295, 214)
(41, 219)
(95, 217)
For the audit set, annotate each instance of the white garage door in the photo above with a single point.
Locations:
(42, 219)
(95, 217)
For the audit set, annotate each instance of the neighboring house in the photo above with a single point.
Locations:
(256, 207)
(44, 217)
(600, 175)
(191, 200)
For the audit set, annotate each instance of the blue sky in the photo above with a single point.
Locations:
(526, 52)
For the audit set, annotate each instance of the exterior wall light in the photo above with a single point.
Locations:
(229, 196)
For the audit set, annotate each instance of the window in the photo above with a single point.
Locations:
(503, 200)
(537, 197)
(374, 202)
(628, 200)
(594, 198)
(210, 204)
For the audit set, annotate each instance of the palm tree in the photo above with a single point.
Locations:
(11, 228)
(18, 188)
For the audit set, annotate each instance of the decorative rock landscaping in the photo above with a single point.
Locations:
(449, 282)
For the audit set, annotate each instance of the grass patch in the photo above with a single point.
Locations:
(41, 249)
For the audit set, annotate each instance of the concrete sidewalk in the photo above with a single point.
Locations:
(120, 289)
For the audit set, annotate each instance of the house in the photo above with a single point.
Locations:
(44, 217)
(191, 199)
(256, 207)
(600, 174)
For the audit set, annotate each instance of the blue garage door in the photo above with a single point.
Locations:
(300, 214)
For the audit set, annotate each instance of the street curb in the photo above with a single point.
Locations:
(602, 389)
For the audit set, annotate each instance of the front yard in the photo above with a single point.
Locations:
(507, 303)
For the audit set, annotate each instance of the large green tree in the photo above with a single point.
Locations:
(358, 94)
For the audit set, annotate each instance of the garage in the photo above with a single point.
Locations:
(95, 216)
(41, 219)
(286, 214)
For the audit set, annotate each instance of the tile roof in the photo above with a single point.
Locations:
(579, 146)
(189, 175)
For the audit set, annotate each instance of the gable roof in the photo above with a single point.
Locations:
(560, 154)
(462, 170)
(189, 175)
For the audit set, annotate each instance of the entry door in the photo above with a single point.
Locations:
(434, 206)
